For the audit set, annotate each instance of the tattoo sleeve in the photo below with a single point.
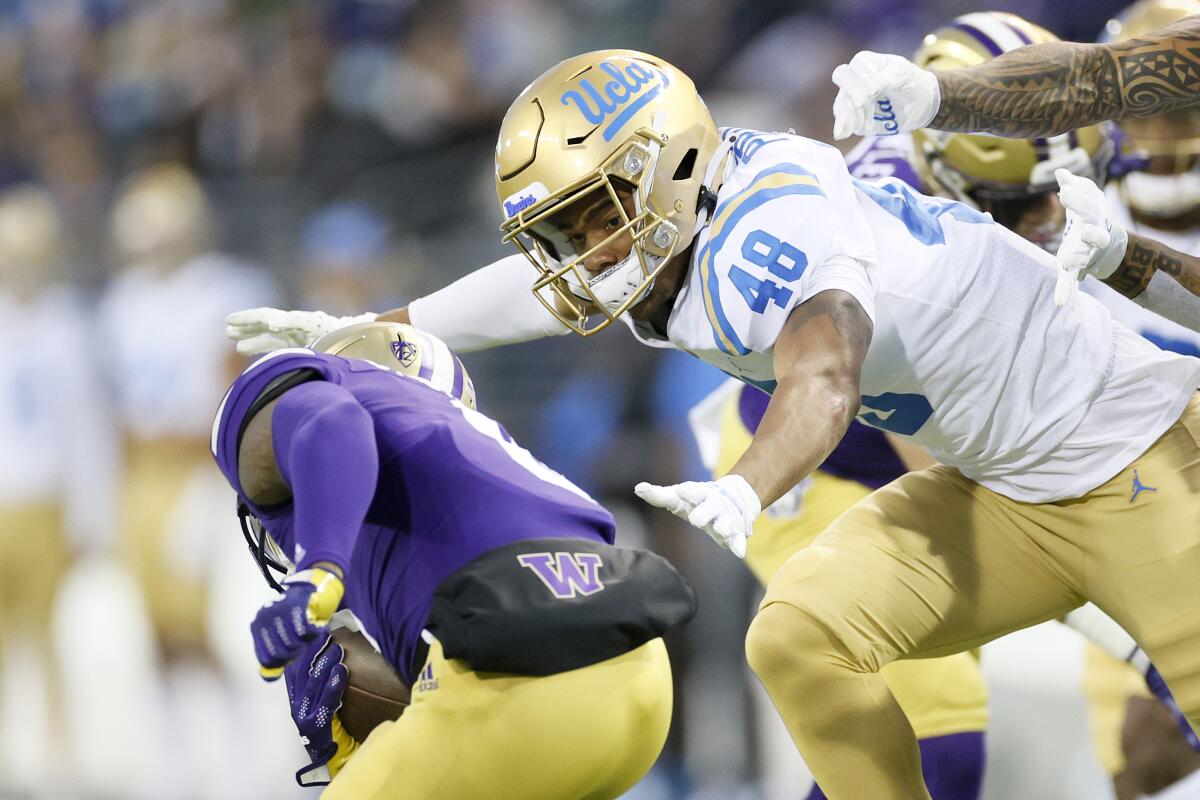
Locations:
(1052, 88)
(1144, 257)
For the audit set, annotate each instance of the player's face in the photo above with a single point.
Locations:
(1042, 222)
(590, 222)
(1038, 218)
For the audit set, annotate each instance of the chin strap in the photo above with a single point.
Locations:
(714, 177)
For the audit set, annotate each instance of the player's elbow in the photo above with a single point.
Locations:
(833, 390)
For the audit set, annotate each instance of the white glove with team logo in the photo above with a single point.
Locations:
(725, 509)
(883, 95)
(261, 330)
(1091, 244)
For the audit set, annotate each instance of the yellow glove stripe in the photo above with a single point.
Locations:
(327, 597)
(270, 673)
(347, 745)
(328, 590)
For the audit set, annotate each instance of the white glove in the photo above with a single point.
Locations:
(725, 509)
(883, 95)
(1091, 243)
(261, 330)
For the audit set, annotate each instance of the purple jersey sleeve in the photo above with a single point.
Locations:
(884, 157)
(325, 446)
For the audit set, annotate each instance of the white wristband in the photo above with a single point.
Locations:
(492, 306)
(1166, 297)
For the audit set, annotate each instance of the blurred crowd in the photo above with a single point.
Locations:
(165, 162)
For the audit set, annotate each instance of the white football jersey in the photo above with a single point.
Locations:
(969, 356)
(164, 346)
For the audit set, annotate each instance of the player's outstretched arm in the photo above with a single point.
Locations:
(1039, 90)
(1053, 88)
(818, 358)
(490, 307)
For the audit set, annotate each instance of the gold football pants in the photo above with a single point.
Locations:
(934, 564)
(940, 696)
(586, 734)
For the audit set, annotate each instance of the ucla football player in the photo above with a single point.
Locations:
(758, 253)
(369, 480)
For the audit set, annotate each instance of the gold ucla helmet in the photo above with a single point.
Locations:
(31, 238)
(598, 123)
(161, 216)
(978, 168)
(1168, 143)
(404, 349)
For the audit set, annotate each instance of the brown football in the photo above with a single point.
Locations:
(375, 692)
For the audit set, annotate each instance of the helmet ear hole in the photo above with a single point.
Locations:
(687, 165)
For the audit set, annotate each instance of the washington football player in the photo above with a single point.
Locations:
(370, 481)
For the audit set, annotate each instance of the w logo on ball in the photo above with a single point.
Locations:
(566, 575)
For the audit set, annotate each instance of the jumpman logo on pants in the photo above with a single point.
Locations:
(1139, 487)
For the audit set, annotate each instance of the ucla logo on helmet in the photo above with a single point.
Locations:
(622, 96)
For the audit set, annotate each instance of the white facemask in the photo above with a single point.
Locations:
(1162, 195)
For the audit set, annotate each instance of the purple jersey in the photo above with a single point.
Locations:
(864, 455)
(884, 157)
(452, 485)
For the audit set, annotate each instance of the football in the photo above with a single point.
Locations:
(375, 692)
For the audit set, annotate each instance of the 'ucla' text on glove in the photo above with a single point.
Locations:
(883, 95)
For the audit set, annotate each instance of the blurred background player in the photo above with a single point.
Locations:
(383, 494)
(55, 476)
(346, 252)
(166, 373)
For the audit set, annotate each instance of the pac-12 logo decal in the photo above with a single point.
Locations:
(620, 95)
(405, 352)
(566, 575)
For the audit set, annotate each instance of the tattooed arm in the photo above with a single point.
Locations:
(1052, 88)
(1160, 279)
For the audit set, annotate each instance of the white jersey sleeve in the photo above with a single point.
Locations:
(490, 307)
(787, 227)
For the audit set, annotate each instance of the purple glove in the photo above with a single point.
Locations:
(1158, 687)
(315, 684)
(283, 628)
